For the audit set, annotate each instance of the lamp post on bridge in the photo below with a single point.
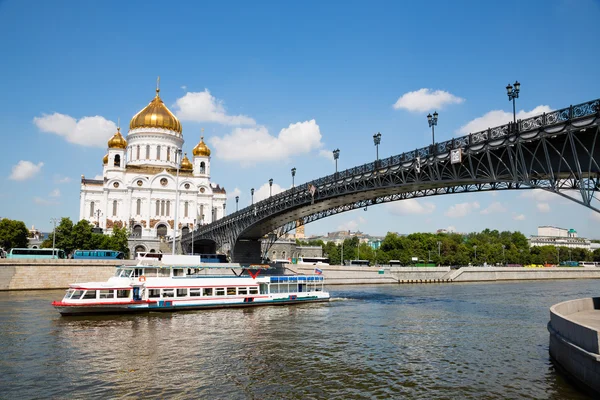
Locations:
(432, 120)
(439, 251)
(237, 199)
(252, 195)
(503, 259)
(475, 248)
(377, 141)
(175, 222)
(336, 155)
(54, 220)
(193, 229)
(270, 187)
(513, 93)
(293, 175)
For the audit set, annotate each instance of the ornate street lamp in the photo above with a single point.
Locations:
(237, 199)
(54, 220)
(178, 163)
(270, 186)
(336, 155)
(475, 248)
(293, 175)
(377, 140)
(432, 120)
(252, 194)
(513, 93)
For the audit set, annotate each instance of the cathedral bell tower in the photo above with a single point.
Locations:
(202, 159)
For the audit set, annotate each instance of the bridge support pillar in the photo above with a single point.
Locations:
(247, 252)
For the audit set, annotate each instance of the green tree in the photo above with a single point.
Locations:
(64, 236)
(13, 233)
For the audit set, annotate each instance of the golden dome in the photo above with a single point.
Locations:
(156, 115)
(117, 141)
(201, 149)
(105, 159)
(186, 163)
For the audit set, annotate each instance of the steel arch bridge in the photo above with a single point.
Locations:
(557, 151)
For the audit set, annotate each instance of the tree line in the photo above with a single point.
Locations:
(488, 246)
(69, 236)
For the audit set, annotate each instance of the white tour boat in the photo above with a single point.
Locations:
(185, 283)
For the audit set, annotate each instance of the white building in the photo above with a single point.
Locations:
(553, 236)
(140, 178)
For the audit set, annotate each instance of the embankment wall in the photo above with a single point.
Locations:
(58, 274)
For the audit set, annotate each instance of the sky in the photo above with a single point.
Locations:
(279, 85)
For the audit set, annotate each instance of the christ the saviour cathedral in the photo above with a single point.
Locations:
(139, 185)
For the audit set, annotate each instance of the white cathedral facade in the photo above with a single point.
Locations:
(141, 179)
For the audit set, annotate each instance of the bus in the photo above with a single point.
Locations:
(313, 260)
(98, 255)
(365, 263)
(36, 253)
(586, 263)
(395, 263)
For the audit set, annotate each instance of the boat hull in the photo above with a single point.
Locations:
(66, 309)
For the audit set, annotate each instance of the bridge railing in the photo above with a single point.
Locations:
(545, 120)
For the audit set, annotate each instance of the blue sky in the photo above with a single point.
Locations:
(278, 85)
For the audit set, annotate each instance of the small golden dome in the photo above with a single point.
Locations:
(201, 149)
(105, 159)
(156, 115)
(117, 141)
(186, 163)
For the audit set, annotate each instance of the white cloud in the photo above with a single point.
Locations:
(498, 117)
(425, 100)
(352, 225)
(462, 209)
(61, 179)
(543, 207)
(235, 192)
(88, 131)
(204, 107)
(451, 228)
(539, 195)
(25, 170)
(410, 207)
(55, 193)
(595, 216)
(263, 192)
(184, 87)
(252, 145)
(520, 217)
(98, 178)
(44, 202)
(327, 154)
(495, 207)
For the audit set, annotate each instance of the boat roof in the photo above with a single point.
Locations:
(182, 261)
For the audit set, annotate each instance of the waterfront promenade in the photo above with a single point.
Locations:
(58, 274)
(575, 340)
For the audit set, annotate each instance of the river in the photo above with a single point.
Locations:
(425, 341)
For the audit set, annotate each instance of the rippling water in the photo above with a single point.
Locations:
(443, 341)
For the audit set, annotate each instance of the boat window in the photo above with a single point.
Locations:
(242, 290)
(89, 294)
(168, 293)
(253, 290)
(123, 293)
(195, 293)
(230, 291)
(154, 293)
(264, 288)
(164, 272)
(77, 294)
(182, 292)
(219, 291)
(69, 293)
(178, 272)
(207, 291)
(106, 294)
(126, 273)
(138, 272)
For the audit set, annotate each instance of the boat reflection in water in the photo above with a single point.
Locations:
(173, 282)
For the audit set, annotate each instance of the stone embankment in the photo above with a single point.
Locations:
(58, 274)
(575, 340)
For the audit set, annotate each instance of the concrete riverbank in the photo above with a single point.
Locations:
(575, 340)
(58, 274)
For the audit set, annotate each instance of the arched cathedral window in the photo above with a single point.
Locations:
(157, 208)
(92, 209)
(168, 154)
(185, 209)
(147, 152)
(139, 207)
(114, 208)
(202, 168)
(137, 157)
(158, 152)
